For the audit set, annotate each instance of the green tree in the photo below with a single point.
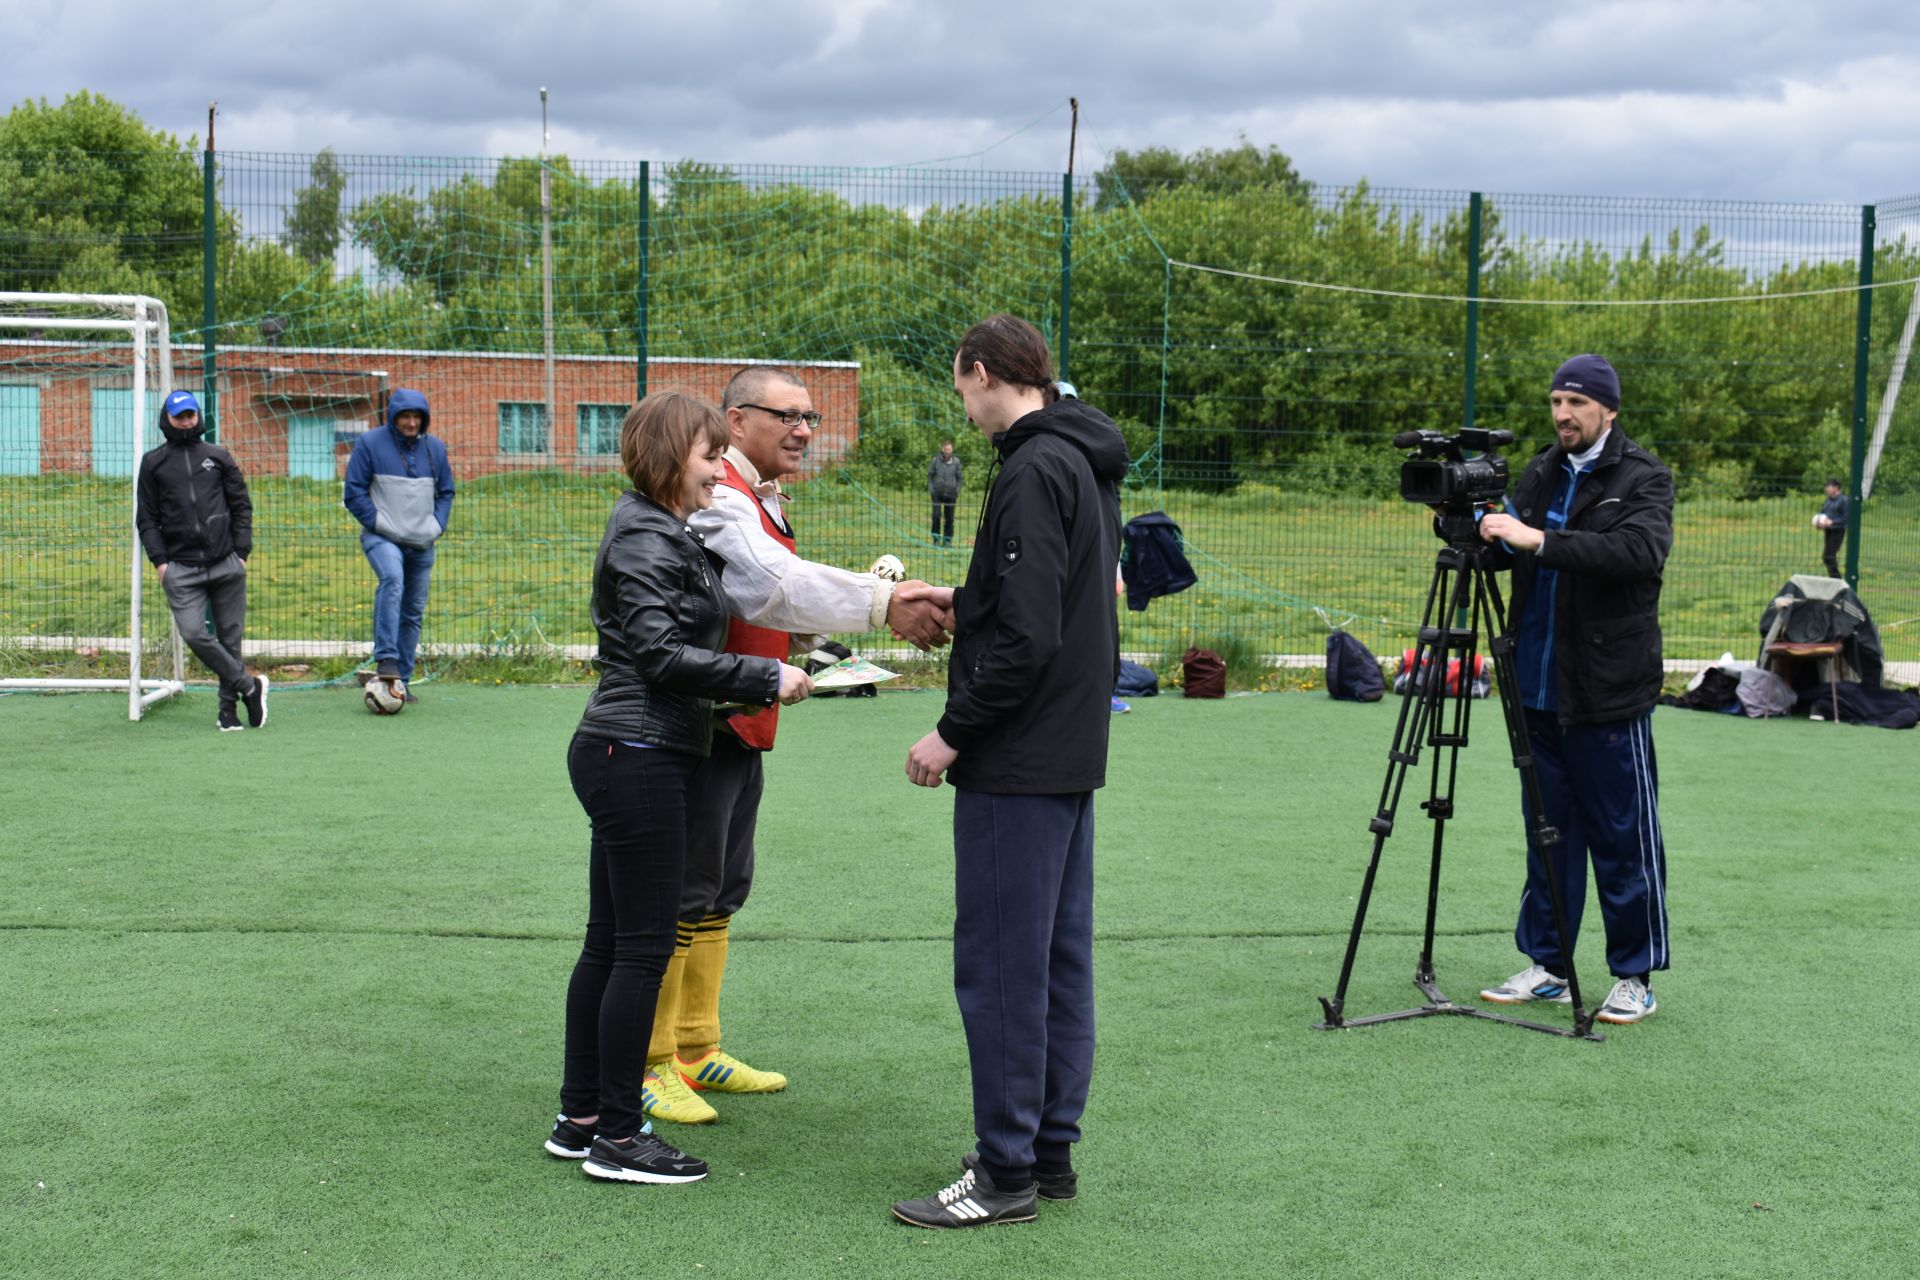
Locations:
(92, 199)
(1141, 175)
(312, 230)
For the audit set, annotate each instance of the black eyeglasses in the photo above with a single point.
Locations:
(789, 418)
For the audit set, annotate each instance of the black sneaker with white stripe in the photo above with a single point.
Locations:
(974, 1201)
(568, 1140)
(644, 1158)
(1052, 1186)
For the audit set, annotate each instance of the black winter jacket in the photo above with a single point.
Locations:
(1036, 647)
(193, 502)
(1610, 556)
(662, 624)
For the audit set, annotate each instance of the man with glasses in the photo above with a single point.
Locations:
(778, 601)
(196, 524)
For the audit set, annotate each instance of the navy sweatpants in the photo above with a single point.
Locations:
(1601, 790)
(1023, 972)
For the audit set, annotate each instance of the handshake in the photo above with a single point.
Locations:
(918, 612)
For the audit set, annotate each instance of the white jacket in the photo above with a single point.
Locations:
(768, 585)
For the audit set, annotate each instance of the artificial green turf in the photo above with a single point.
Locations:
(288, 1003)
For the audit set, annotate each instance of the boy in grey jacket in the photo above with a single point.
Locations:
(400, 488)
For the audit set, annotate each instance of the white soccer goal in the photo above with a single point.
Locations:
(57, 348)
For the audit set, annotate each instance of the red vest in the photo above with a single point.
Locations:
(757, 730)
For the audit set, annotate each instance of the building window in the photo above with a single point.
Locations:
(523, 427)
(599, 426)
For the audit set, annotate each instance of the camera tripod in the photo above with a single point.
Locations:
(1435, 710)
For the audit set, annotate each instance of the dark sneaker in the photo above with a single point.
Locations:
(408, 696)
(971, 1202)
(569, 1141)
(1052, 1186)
(645, 1159)
(387, 671)
(256, 703)
(229, 722)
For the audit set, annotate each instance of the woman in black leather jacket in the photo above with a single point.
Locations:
(662, 624)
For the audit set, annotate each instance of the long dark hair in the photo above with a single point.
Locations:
(1013, 351)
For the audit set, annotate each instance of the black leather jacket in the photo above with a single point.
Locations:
(1606, 617)
(662, 624)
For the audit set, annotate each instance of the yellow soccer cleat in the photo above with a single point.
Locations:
(665, 1096)
(724, 1073)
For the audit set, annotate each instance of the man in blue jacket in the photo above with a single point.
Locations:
(1587, 536)
(400, 488)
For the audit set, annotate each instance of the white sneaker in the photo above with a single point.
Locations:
(1530, 984)
(1629, 1001)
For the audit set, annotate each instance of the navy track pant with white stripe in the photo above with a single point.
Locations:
(1602, 791)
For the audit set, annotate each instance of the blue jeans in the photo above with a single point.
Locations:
(400, 601)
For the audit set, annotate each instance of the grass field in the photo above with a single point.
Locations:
(512, 572)
(287, 1003)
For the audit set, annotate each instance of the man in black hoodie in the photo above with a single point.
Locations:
(1024, 741)
(196, 524)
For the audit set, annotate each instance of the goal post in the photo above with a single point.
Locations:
(62, 356)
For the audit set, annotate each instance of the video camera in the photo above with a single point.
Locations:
(1439, 474)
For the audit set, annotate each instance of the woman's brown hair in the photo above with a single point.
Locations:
(657, 435)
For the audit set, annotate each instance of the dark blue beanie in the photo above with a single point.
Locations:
(1591, 377)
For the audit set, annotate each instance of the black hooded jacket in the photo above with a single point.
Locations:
(193, 501)
(1036, 647)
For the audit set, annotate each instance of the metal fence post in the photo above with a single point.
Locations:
(1066, 268)
(209, 301)
(640, 285)
(1473, 311)
(1862, 349)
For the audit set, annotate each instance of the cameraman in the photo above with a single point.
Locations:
(1591, 525)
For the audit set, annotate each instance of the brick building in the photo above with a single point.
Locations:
(296, 411)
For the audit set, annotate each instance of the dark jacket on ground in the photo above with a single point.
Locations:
(1037, 642)
(193, 502)
(1610, 557)
(662, 624)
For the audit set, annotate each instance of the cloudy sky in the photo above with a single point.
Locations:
(1765, 99)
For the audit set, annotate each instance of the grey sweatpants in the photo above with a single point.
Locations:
(222, 586)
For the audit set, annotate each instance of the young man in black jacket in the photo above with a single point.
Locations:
(196, 524)
(1024, 742)
(1588, 532)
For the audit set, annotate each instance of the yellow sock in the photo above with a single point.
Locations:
(698, 1027)
(666, 1014)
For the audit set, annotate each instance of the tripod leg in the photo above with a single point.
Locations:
(1410, 729)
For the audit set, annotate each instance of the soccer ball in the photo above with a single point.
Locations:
(385, 697)
(1820, 522)
(890, 568)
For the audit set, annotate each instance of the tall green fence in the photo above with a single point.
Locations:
(1259, 345)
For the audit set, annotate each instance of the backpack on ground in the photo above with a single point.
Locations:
(1353, 673)
(1203, 674)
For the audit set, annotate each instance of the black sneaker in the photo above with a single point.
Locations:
(387, 671)
(256, 703)
(569, 1141)
(408, 696)
(229, 722)
(1052, 1186)
(645, 1159)
(971, 1202)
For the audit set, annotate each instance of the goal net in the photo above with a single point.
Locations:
(82, 377)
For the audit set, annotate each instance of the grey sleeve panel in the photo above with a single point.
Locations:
(404, 509)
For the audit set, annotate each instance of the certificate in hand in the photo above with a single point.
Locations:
(850, 672)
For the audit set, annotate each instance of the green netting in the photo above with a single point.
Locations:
(1259, 343)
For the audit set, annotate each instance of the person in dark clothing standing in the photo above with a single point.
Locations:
(196, 525)
(1587, 537)
(945, 474)
(661, 621)
(1832, 521)
(1024, 742)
